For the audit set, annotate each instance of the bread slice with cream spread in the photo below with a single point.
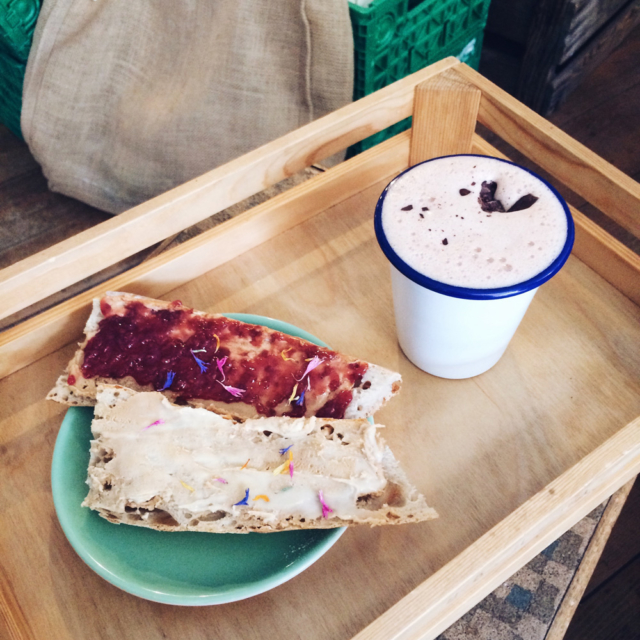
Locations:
(173, 468)
(223, 365)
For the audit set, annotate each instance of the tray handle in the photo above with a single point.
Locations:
(445, 111)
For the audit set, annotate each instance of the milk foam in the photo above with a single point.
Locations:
(448, 237)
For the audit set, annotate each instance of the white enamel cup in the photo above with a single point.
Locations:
(456, 332)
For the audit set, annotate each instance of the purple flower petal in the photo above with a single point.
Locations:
(221, 362)
(244, 500)
(326, 509)
(203, 365)
(315, 361)
(170, 376)
(153, 424)
(234, 391)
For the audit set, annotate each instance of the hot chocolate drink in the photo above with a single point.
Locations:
(474, 222)
(470, 239)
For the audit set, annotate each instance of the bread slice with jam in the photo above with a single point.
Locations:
(223, 365)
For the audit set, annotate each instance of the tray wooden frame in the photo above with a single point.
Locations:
(454, 589)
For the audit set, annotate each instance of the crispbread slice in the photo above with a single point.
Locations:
(375, 388)
(171, 468)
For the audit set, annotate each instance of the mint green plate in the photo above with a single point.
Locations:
(182, 568)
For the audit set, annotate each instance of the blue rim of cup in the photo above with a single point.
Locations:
(464, 292)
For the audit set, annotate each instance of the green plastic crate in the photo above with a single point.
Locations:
(394, 38)
(17, 24)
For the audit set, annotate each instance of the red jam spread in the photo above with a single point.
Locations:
(217, 358)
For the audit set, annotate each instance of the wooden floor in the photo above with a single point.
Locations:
(603, 113)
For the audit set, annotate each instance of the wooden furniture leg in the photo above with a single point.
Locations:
(596, 546)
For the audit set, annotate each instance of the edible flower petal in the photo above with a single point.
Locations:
(283, 451)
(244, 466)
(217, 342)
(244, 500)
(313, 363)
(234, 391)
(300, 400)
(290, 467)
(153, 424)
(169, 381)
(261, 497)
(222, 480)
(203, 365)
(326, 509)
(293, 393)
(282, 468)
(186, 486)
(284, 352)
(221, 362)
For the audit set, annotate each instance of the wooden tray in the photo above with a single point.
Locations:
(510, 459)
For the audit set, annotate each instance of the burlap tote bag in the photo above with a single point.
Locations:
(124, 100)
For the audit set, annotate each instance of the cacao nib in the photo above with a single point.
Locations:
(523, 203)
(487, 198)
